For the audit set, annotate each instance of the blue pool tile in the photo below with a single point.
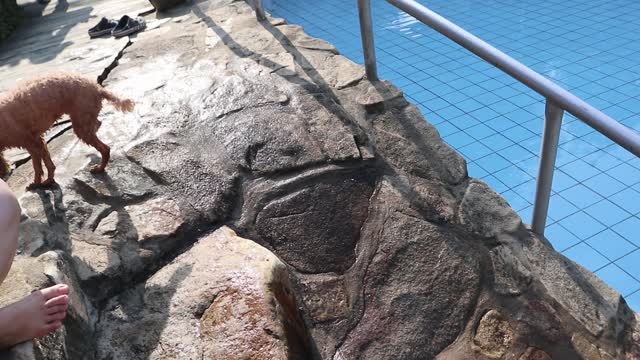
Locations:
(530, 166)
(626, 173)
(631, 264)
(598, 140)
(495, 184)
(564, 157)
(611, 245)
(450, 112)
(604, 184)
(562, 181)
(493, 163)
(436, 104)
(618, 279)
(501, 123)
(474, 90)
(581, 196)
(628, 199)
(633, 301)
(513, 176)
(526, 214)
(586, 256)
(578, 129)
(518, 133)
(515, 153)
(578, 147)
(475, 170)
(629, 229)
(459, 139)
(559, 208)
(475, 151)
(582, 225)
(580, 170)
(469, 105)
(619, 152)
(527, 190)
(535, 126)
(489, 98)
(484, 114)
(464, 121)
(480, 131)
(607, 212)
(446, 129)
(497, 142)
(504, 106)
(560, 238)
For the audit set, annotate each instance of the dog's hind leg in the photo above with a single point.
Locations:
(104, 150)
(51, 167)
(86, 127)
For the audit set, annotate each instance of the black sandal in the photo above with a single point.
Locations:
(105, 26)
(128, 25)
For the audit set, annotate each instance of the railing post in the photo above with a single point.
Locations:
(260, 14)
(549, 149)
(366, 33)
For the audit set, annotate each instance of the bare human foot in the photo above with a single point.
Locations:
(36, 315)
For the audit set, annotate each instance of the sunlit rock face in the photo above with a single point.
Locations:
(266, 201)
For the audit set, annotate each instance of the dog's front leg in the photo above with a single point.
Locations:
(36, 160)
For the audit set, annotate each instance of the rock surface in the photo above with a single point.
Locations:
(226, 298)
(366, 238)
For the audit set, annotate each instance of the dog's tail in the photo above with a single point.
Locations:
(124, 105)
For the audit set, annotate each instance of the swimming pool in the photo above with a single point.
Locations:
(590, 47)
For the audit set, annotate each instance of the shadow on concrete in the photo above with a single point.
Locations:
(41, 37)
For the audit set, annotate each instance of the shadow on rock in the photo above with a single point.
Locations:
(319, 88)
(137, 317)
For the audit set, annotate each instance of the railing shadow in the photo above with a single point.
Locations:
(318, 87)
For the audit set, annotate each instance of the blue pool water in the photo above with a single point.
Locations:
(591, 47)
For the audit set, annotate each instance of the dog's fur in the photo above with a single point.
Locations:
(27, 112)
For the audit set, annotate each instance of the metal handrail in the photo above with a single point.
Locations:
(557, 98)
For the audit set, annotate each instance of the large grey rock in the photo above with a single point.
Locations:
(295, 226)
(587, 298)
(486, 213)
(411, 144)
(418, 290)
(419, 285)
(225, 298)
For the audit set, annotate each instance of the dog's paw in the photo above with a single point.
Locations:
(96, 169)
(34, 186)
(48, 183)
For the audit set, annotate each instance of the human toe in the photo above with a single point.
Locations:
(49, 328)
(56, 309)
(58, 300)
(56, 317)
(55, 291)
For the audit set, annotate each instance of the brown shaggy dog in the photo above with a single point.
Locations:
(27, 112)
